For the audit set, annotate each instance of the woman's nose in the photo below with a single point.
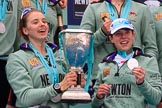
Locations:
(123, 35)
(42, 23)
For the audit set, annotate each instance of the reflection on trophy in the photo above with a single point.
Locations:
(77, 45)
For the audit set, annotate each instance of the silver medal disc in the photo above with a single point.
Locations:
(132, 63)
(2, 27)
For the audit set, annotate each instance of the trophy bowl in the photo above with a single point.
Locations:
(77, 46)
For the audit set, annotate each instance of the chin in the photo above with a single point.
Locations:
(124, 49)
(43, 38)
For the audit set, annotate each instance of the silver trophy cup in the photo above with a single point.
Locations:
(77, 45)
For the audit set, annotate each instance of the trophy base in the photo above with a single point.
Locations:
(75, 95)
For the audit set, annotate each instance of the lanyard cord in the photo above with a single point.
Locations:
(3, 8)
(44, 6)
(124, 13)
(52, 72)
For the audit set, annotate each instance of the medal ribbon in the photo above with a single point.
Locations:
(125, 55)
(53, 73)
(44, 6)
(3, 8)
(124, 12)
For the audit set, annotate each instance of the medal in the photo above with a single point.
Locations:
(2, 28)
(152, 3)
(104, 15)
(132, 63)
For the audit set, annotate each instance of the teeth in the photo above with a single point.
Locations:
(124, 42)
(41, 30)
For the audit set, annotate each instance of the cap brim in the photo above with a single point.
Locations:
(122, 27)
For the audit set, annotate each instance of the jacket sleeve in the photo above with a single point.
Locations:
(152, 86)
(148, 33)
(90, 21)
(22, 85)
(97, 103)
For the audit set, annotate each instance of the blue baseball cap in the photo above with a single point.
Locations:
(120, 23)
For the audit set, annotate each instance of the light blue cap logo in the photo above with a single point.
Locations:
(120, 23)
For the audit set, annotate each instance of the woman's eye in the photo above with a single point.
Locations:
(35, 22)
(127, 32)
(118, 34)
(44, 21)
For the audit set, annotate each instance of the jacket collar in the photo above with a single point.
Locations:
(25, 46)
(111, 56)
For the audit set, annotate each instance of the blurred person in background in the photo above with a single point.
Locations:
(9, 42)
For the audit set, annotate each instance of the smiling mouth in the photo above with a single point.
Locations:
(124, 42)
(42, 30)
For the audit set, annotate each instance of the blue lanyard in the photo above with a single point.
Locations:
(124, 12)
(44, 6)
(3, 8)
(124, 54)
(53, 73)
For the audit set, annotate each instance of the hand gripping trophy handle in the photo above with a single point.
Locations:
(77, 46)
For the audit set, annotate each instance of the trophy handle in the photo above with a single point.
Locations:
(78, 71)
(78, 78)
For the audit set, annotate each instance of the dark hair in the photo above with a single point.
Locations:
(23, 20)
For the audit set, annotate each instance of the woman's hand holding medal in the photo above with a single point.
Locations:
(137, 70)
(139, 74)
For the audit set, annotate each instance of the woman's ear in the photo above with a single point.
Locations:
(25, 31)
(110, 37)
(133, 33)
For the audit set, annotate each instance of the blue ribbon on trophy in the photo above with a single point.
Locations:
(3, 8)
